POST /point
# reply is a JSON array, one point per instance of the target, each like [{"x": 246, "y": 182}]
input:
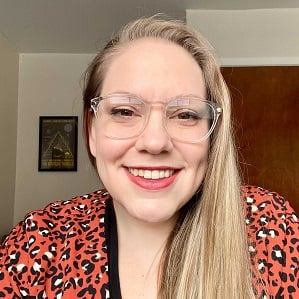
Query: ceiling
[{"x": 81, "y": 26}]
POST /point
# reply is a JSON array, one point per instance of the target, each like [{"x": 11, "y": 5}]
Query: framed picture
[{"x": 58, "y": 137}]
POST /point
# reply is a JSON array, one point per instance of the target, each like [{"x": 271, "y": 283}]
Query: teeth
[
  {"x": 147, "y": 174},
  {"x": 151, "y": 174},
  {"x": 155, "y": 174}
]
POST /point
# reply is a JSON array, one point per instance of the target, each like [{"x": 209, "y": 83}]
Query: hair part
[{"x": 207, "y": 253}]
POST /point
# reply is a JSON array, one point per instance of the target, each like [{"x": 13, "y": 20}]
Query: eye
[
  {"x": 122, "y": 112},
  {"x": 184, "y": 114},
  {"x": 187, "y": 115}
]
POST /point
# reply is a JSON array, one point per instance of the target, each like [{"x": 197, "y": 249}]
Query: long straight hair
[{"x": 206, "y": 255}]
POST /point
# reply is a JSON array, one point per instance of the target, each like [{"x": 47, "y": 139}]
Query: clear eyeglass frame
[{"x": 214, "y": 111}]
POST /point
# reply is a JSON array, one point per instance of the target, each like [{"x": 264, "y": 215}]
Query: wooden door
[{"x": 265, "y": 103}]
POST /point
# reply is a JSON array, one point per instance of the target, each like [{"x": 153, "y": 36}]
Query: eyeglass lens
[{"x": 186, "y": 119}]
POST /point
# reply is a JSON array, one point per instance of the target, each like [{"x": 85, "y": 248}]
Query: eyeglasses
[{"x": 186, "y": 119}]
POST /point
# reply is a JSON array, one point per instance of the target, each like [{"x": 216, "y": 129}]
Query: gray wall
[
  {"x": 9, "y": 64},
  {"x": 49, "y": 84},
  {"x": 250, "y": 37}
]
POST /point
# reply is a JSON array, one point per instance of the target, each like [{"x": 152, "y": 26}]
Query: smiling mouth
[{"x": 154, "y": 174}]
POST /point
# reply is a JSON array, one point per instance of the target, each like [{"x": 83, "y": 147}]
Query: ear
[{"x": 92, "y": 139}]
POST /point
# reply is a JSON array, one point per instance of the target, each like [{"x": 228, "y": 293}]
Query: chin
[{"x": 155, "y": 216}]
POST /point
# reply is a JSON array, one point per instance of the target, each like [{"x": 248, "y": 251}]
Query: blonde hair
[{"x": 207, "y": 253}]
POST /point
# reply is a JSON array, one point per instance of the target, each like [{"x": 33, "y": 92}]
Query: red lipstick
[{"x": 152, "y": 184}]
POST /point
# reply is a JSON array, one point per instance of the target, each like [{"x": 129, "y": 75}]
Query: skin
[{"x": 157, "y": 71}]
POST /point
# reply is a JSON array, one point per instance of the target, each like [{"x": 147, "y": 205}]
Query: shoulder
[
  {"x": 273, "y": 230},
  {"x": 64, "y": 239},
  {"x": 269, "y": 215},
  {"x": 260, "y": 199},
  {"x": 61, "y": 215},
  {"x": 264, "y": 207},
  {"x": 64, "y": 218},
  {"x": 79, "y": 206}
]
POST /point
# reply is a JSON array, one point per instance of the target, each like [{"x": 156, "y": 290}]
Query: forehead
[{"x": 153, "y": 67}]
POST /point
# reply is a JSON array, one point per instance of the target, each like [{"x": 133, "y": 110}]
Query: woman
[{"x": 171, "y": 220}]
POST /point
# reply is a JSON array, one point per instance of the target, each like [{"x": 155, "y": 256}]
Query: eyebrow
[{"x": 183, "y": 95}]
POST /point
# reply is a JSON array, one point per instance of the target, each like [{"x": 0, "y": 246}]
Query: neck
[
  {"x": 141, "y": 246},
  {"x": 139, "y": 234}
]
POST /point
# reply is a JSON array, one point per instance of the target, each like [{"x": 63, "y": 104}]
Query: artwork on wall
[{"x": 58, "y": 137}]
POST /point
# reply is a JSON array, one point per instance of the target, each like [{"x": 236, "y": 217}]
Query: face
[{"x": 156, "y": 71}]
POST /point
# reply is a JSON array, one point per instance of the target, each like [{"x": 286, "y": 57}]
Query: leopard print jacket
[{"x": 61, "y": 251}]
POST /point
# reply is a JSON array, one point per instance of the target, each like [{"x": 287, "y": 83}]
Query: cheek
[
  {"x": 106, "y": 150},
  {"x": 92, "y": 139},
  {"x": 199, "y": 163},
  {"x": 109, "y": 151},
  {"x": 197, "y": 155},
  {"x": 102, "y": 147},
  {"x": 109, "y": 159}
]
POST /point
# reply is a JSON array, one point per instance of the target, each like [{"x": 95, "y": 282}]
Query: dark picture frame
[{"x": 58, "y": 143}]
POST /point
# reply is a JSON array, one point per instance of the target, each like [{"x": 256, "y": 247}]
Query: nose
[{"x": 154, "y": 139}]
